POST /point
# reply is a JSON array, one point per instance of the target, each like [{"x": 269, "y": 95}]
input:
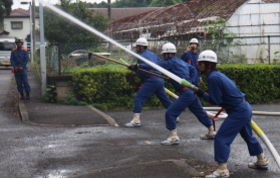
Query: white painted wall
[{"x": 19, "y": 32}]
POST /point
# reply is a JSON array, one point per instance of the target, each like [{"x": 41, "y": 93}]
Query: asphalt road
[{"x": 55, "y": 152}]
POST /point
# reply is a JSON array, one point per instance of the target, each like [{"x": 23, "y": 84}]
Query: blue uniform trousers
[
  {"x": 148, "y": 88},
  {"x": 22, "y": 81},
  {"x": 187, "y": 98},
  {"x": 238, "y": 121}
]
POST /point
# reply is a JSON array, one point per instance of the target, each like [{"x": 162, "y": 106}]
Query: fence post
[
  {"x": 269, "y": 49},
  {"x": 59, "y": 60}
]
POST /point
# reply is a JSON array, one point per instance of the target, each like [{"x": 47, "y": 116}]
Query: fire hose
[{"x": 255, "y": 127}]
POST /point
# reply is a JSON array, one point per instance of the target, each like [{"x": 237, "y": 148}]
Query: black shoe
[
  {"x": 27, "y": 96},
  {"x": 21, "y": 96}
]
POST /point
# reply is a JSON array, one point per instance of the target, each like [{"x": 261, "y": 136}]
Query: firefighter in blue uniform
[
  {"x": 187, "y": 97},
  {"x": 152, "y": 84},
  {"x": 19, "y": 59},
  {"x": 190, "y": 56},
  {"x": 223, "y": 92}
]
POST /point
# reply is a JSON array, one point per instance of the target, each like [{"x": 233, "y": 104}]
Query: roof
[
  {"x": 19, "y": 12},
  {"x": 176, "y": 19},
  {"x": 271, "y": 1},
  {"x": 4, "y": 32},
  {"x": 117, "y": 13}
]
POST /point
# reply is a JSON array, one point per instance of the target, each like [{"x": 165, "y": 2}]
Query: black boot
[
  {"x": 27, "y": 96},
  {"x": 21, "y": 96}
]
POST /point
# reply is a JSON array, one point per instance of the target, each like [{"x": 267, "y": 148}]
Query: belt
[{"x": 180, "y": 91}]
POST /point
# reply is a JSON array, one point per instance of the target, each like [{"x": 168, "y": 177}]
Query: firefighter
[
  {"x": 223, "y": 92},
  {"x": 152, "y": 84},
  {"x": 187, "y": 97},
  {"x": 190, "y": 56},
  {"x": 19, "y": 59}
]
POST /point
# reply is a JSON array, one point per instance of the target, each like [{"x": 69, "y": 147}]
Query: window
[
  {"x": 16, "y": 25},
  {"x": 7, "y": 46}
]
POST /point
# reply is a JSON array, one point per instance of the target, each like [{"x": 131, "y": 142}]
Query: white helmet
[
  {"x": 18, "y": 40},
  {"x": 194, "y": 40},
  {"x": 169, "y": 48},
  {"x": 141, "y": 42},
  {"x": 208, "y": 55}
]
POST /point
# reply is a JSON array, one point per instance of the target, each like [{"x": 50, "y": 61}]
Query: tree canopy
[
  {"x": 135, "y": 3},
  {"x": 5, "y": 7},
  {"x": 164, "y": 3},
  {"x": 59, "y": 29}
]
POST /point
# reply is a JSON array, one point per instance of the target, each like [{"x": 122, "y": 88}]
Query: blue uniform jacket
[
  {"x": 179, "y": 68},
  {"x": 191, "y": 58},
  {"x": 151, "y": 57},
  {"x": 19, "y": 58},
  {"x": 222, "y": 91}
]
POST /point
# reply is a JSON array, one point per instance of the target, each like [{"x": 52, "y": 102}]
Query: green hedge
[
  {"x": 112, "y": 86},
  {"x": 260, "y": 82}
]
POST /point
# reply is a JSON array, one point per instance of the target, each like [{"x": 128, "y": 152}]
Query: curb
[
  {"x": 109, "y": 119},
  {"x": 25, "y": 118}
]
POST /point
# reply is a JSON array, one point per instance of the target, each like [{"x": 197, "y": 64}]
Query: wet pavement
[{"x": 29, "y": 151}]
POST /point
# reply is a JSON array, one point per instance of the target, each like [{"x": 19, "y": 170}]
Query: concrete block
[{"x": 62, "y": 92}]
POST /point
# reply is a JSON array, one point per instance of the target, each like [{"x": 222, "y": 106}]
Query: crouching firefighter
[
  {"x": 186, "y": 99},
  {"x": 223, "y": 92},
  {"x": 152, "y": 84},
  {"x": 19, "y": 59}
]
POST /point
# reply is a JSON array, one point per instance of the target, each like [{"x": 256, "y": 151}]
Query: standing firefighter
[
  {"x": 223, "y": 92},
  {"x": 190, "y": 56},
  {"x": 152, "y": 84},
  {"x": 19, "y": 59},
  {"x": 187, "y": 97}
]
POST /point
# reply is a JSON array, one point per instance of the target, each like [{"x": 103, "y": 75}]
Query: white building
[{"x": 17, "y": 24}]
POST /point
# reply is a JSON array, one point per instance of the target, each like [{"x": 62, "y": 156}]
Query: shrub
[{"x": 110, "y": 87}]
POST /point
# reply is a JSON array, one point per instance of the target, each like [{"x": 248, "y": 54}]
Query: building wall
[{"x": 18, "y": 32}]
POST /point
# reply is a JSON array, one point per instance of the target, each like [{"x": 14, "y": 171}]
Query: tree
[
  {"x": 5, "y": 7},
  {"x": 58, "y": 29},
  {"x": 102, "y": 4},
  {"x": 131, "y": 3},
  {"x": 164, "y": 3}
]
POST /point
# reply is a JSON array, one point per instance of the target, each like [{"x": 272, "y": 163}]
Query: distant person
[
  {"x": 190, "y": 55},
  {"x": 19, "y": 59},
  {"x": 152, "y": 84},
  {"x": 224, "y": 92}
]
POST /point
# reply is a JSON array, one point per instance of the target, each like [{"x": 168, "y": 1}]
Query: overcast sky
[{"x": 18, "y": 5}]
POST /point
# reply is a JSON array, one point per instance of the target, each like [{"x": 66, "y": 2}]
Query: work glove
[
  {"x": 133, "y": 67},
  {"x": 199, "y": 92}
]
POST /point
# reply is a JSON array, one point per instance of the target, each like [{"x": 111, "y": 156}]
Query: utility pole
[
  {"x": 42, "y": 52},
  {"x": 31, "y": 33},
  {"x": 33, "y": 40},
  {"x": 110, "y": 28}
]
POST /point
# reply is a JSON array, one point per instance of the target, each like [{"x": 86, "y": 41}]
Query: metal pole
[
  {"x": 31, "y": 35},
  {"x": 33, "y": 26},
  {"x": 42, "y": 52},
  {"x": 110, "y": 28},
  {"x": 269, "y": 49}
]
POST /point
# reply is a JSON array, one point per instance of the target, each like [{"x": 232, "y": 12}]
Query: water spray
[{"x": 96, "y": 32}]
